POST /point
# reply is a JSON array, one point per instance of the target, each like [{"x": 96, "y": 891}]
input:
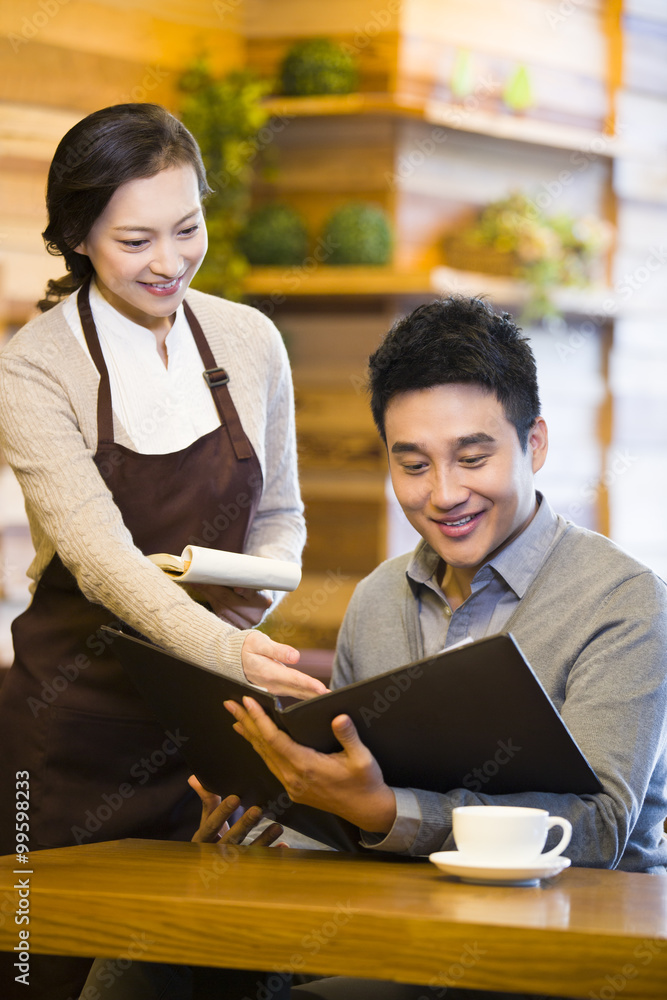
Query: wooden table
[{"x": 587, "y": 933}]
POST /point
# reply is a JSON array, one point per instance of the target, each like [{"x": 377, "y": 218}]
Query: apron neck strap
[
  {"x": 104, "y": 410},
  {"x": 217, "y": 380}
]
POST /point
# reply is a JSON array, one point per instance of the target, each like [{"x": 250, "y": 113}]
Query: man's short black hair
[{"x": 457, "y": 339}]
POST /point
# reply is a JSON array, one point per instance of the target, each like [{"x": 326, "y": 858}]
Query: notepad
[{"x": 198, "y": 564}]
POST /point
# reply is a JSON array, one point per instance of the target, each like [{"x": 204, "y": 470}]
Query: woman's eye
[
  {"x": 190, "y": 231},
  {"x": 134, "y": 244}
]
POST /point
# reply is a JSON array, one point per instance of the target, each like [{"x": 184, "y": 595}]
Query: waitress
[{"x": 122, "y": 449}]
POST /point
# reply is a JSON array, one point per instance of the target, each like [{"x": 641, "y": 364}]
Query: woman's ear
[{"x": 538, "y": 443}]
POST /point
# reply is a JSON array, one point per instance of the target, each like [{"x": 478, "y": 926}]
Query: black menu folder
[{"x": 475, "y": 717}]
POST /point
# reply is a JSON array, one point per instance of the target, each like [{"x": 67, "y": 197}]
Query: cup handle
[{"x": 564, "y": 840}]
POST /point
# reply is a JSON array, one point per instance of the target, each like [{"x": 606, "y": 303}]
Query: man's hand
[
  {"x": 348, "y": 783},
  {"x": 239, "y": 606},
  {"x": 214, "y": 828},
  {"x": 264, "y": 664}
]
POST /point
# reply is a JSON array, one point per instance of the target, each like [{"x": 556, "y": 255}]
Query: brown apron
[{"x": 100, "y": 766}]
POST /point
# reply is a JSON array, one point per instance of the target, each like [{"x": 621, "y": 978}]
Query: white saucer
[{"x": 487, "y": 873}]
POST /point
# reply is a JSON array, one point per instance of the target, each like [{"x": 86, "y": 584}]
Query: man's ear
[{"x": 538, "y": 443}]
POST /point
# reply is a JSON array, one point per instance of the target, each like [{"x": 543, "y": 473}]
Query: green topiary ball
[
  {"x": 358, "y": 233},
  {"x": 318, "y": 66},
  {"x": 274, "y": 234}
]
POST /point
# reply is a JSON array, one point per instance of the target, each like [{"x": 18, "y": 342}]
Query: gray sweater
[
  {"x": 48, "y": 433},
  {"x": 593, "y": 625}
]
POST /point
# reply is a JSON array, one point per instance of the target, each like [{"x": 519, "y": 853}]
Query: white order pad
[{"x": 230, "y": 569}]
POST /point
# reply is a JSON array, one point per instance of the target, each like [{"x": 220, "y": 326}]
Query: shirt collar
[
  {"x": 518, "y": 563},
  {"x": 119, "y": 326}
]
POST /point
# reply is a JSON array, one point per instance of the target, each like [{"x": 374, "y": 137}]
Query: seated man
[{"x": 455, "y": 398}]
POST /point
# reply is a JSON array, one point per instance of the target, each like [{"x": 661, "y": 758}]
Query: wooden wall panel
[
  {"x": 61, "y": 61},
  {"x": 48, "y": 75},
  {"x": 343, "y": 534},
  {"x": 147, "y": 33},
  {"x": 364, "y": 18}
]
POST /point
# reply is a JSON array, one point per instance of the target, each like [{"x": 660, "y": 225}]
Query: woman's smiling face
[{"x": 148, "y": 244}]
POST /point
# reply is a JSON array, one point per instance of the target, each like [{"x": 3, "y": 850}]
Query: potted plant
[
  {"x": 513, "y": 236},
  {"x": 275, "y": 234},
  {"x": 318, "y": 66},
  {"x": 225, "y": 116},
  {"x": 358, "y": 233}
]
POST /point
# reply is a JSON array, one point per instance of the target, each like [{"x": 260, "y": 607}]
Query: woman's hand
[
  {"x": 265, "y": 663},
  {"x": 238, "y": 606},
  {"x": 214, "y": 828}
]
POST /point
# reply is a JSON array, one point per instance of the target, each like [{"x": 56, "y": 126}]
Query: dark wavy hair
[
  {"x": 101, "y": 152},
  {"x": 457, "y": 339}
]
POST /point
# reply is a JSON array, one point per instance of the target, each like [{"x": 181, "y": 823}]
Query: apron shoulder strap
[
  {"x": 104, "y": 410},
  {"x": 217, "y": 380}
]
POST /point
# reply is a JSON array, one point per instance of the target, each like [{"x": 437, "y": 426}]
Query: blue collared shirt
[{"x": 496, "y": 588}]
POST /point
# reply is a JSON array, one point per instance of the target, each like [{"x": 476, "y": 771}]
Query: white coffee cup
[{"x": 510, "y": 835}]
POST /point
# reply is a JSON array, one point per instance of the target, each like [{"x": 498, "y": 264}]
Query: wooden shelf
[
  {"x": 359, "y": 281},
  {"x": 513, "y": 127},
  {"x": 323, "y": 280}
]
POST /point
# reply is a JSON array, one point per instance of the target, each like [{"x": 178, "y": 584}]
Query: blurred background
[{"x": 366, "y": 156}]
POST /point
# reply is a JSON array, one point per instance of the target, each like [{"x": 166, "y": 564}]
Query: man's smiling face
[{"x": 459, "y": 472}]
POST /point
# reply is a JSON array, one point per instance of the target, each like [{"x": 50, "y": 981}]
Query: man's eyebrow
[
  {"x": 400, "y": 447},
  {"x": 147, "y": 229},
  {"x": 480, "y": 438}
]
